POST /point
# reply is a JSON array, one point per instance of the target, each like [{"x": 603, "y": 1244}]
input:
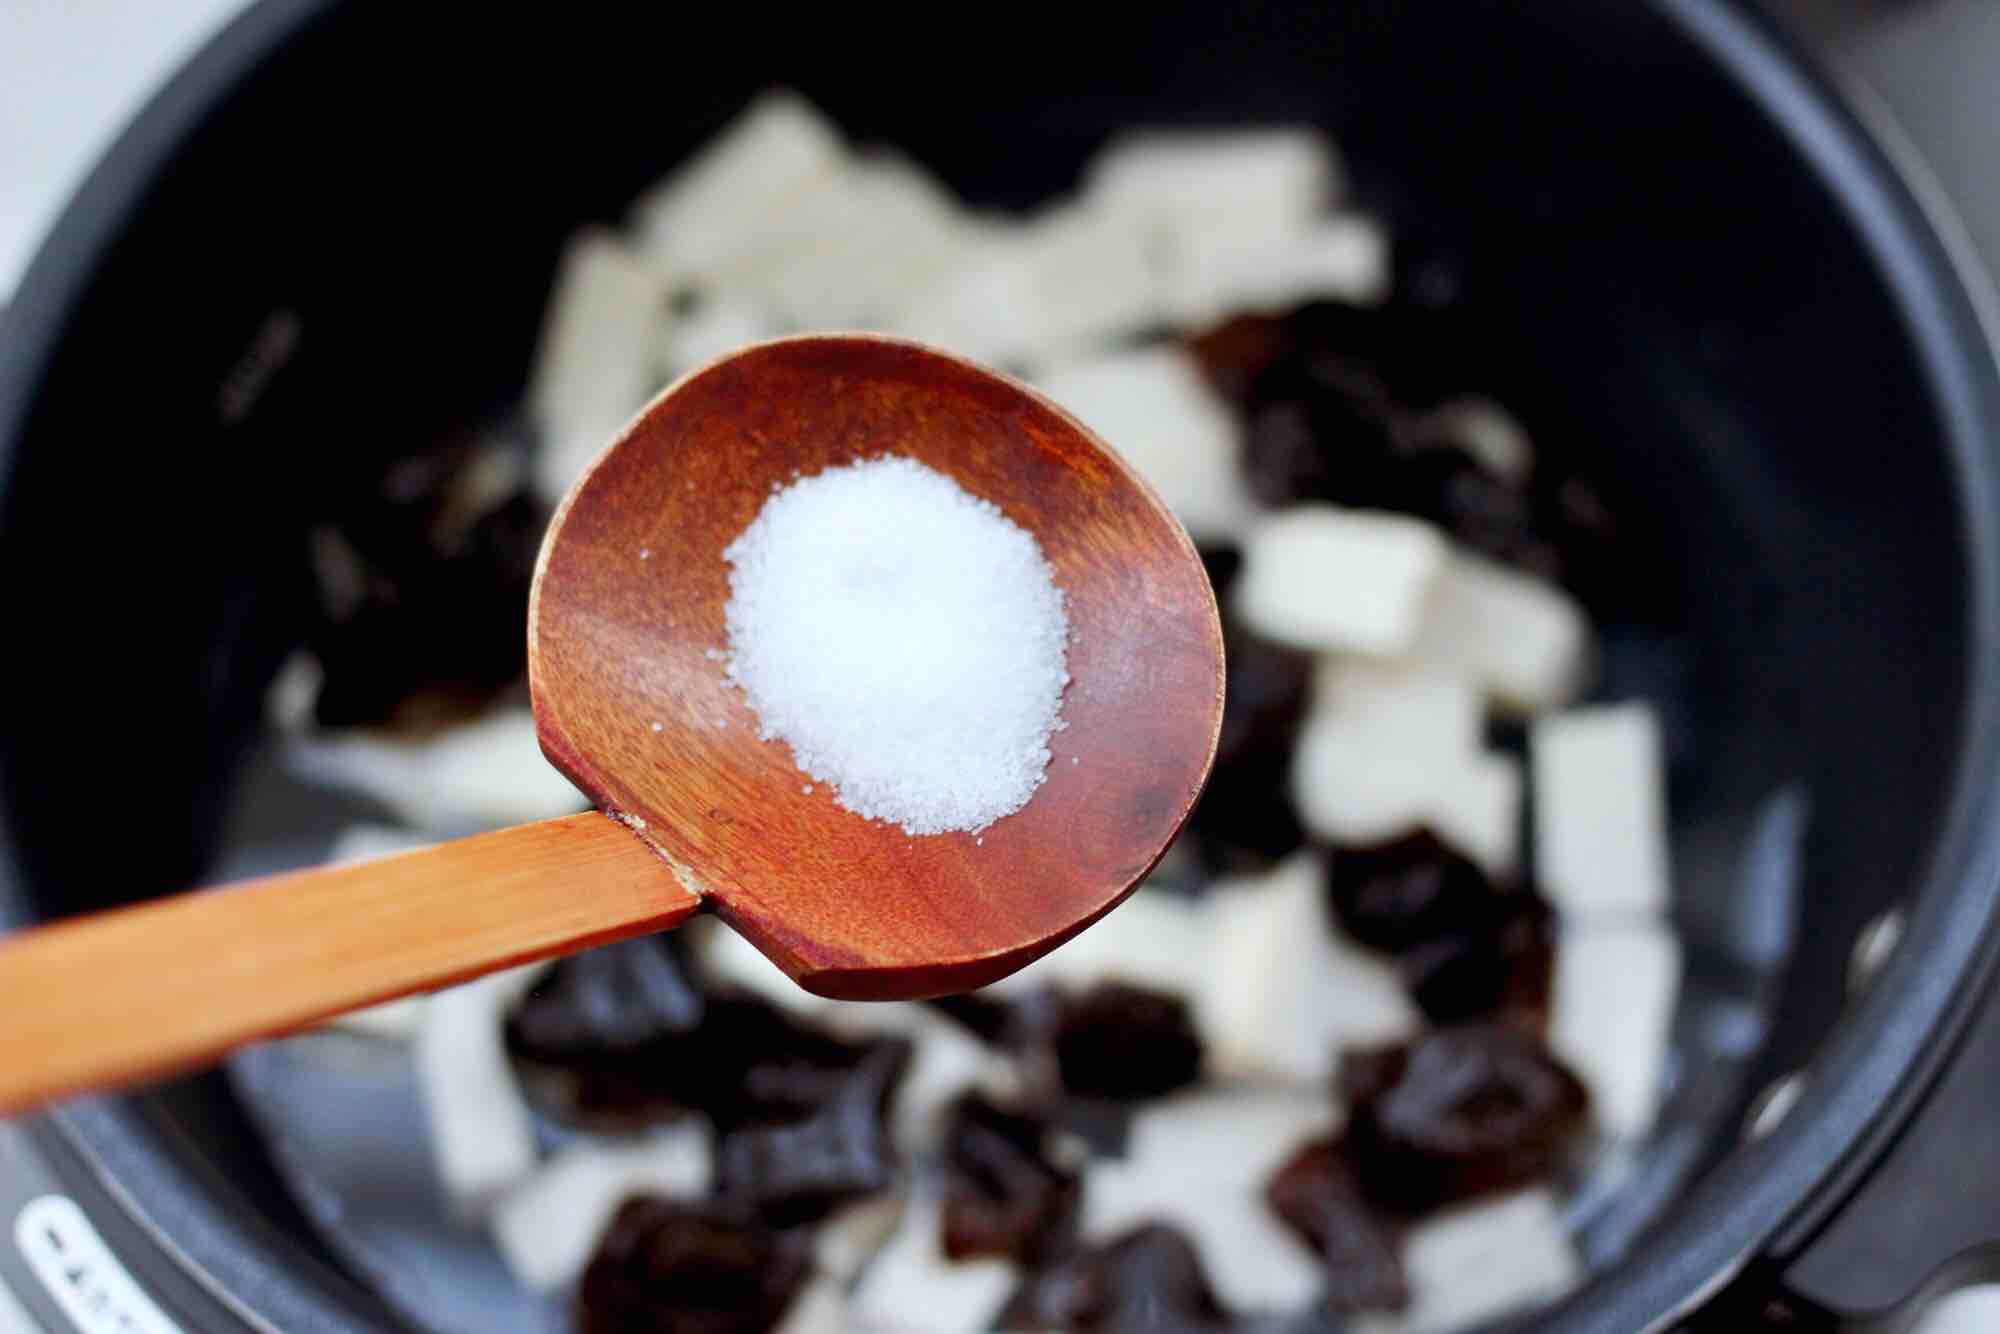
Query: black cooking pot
[{"x": 330, "y": 239}]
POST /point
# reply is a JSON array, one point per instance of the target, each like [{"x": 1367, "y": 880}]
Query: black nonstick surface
[{"x": 330, "y": 241}]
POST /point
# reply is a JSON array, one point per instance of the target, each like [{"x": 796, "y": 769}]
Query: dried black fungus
[
  {"x": 1124, "y": 1042},
  {"x": 1399, "y": 894},
  {"x": 422, "y": 591},
  {"x": 1244, "y": 816},
  {"x": 605, "y": 1002},
  {"x": 1318, "y": 1195},
  {"x": 1003, "y": 1196},
  {"x": 1148, "y": 1279},
  {"x": 795, "y": 1171},
  {"x": 668, "y": 1268},
  {"x": 1458, "y": 1113},
  {"x": 1498, "y": 963}
]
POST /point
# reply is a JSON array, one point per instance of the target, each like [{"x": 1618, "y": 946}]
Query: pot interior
[{"x": 349, "y": 259}]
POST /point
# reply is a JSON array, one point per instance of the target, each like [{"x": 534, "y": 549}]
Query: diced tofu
[
  {"x": 1478, "y": 1263},
  {"x": 848, "y": 1238},
  {"x": 1388, "y": 749},
  {"x": 820, "y": 1308},
  {"x": 1156, "y": 410},
  {"x": 715, "y": 327},
  {"x": 1432, "y": 714},
  {"x": 911, "y": 1286},
  {"x": 593, "y": 370},
  {"x": 1200, "y": 1163},
  {"x": 547, "y": 1227},
  {"x": 859, "y": 247},
  {"x": 1040, "y": 292},
  {"x": 482, "y": 1140},
  {"x": 1601, "y": 812},
  {"x": 479, "y": 775},
  {"x": 1154, "y": 939},
  {"x": 1320, "y": 577},
  {"x": 1478, "y": 812},
  {"x": 1334, "y": 259},
  {"x": 1257, "y": 185},
  {"x": 1611, "y": 1014},
  {"x": 720, "y": 203},
  {"x": 1282, "y": 991},
  {"x": 1525, "y": 641}
]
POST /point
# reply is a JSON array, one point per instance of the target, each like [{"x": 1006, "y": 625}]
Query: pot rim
[{"x": 1877, "y": 1060}]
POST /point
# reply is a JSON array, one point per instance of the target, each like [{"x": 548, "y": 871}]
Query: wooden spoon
[{"x": 625, "y": 624}]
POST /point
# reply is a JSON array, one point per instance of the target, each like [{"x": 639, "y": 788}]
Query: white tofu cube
[
  {"x": 820, "y": 1308},
  {"x": 1432, "y": 714},
  {"x": 478, "y": 775},
  {"x": 547, "y": 1227},
  {"x": 1340, "y": 258},
  {"x": 482, "y": 1140},
  {"x": 715, "y": 327},
  {"x": 594, "y": 368},
  {"x": 859, "y": 248},
  {"x": 911, "y": 1286},
  {"x": 1154, "y": 407},
  {"x": 1283, "y": 991},
  {"x": 1387, "y": 749},
  {"x": 1478, "y": 812},
  {"x": 1200, "y": 1162},
  {"x": 1320, "y": 577},
  {"x": 1601, "y": 812},
  {"x": 1038, "y": 293},
  {"x": 1525, "y": 641},
  {"x": 1611, "y": 1014},
  {"x": 1480, "y": 1262},
  {"x": 720, "y": 203},
  {"x": 848, "y": 1238},
  {"x": 1263, "y": 184}
]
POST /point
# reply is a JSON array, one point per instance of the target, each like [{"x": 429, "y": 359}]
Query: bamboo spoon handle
[{"x": 136, "y": 993}]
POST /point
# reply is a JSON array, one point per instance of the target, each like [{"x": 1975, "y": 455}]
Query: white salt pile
[{"x": 905, "y": 638}]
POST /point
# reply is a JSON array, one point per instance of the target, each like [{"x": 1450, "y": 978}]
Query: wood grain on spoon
[
  {"x": 625, "y": 630},
  {"x": 126, "y": 995}
]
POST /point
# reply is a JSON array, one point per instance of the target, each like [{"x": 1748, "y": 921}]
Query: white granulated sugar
[{"x": 905, "y": 638}]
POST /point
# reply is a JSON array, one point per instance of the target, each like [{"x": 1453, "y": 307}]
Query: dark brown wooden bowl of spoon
[{"x": 706, "y": 816}]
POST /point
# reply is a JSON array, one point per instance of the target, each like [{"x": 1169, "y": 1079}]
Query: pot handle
[{"x": 1923, "y": 1220}]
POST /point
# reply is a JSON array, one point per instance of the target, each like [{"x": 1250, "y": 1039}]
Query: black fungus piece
[
  {"x": 1400, "y": 893},
  {"x": 1244, "y": 817},
  {"x": 1498, "y": 964},
  {"x": 795, "y": 1171},
  {"x": 604, "y": 1003},
  {"x": 1317, "y": 1194},
  {"x": 982, "y": 1016},
  {"x": 668, "y": 1268},
  {"x": 1147, "y": 1279},
  {"x": 1003, "y": 1196},
  {"x": 1126, "y": 1043},
  {"x": 422, "y": 588},
  {"x": 1460, "y": 1112}
]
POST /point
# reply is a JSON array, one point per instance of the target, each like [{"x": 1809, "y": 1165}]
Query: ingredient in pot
[
  {"x": 1356, "y": 1049},
  {"x": 905, "y": 638}
]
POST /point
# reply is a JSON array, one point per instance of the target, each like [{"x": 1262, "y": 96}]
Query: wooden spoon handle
[{"x": 140, "y": 992}]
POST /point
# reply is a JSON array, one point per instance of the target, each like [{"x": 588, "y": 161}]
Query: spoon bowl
[{"x": 626, "y": 629}]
